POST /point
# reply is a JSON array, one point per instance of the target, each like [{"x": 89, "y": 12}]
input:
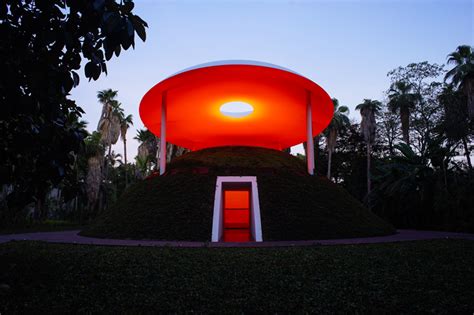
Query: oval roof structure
[{"x": 195, "y": 95}]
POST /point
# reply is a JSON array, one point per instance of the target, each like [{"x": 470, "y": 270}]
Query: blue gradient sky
[{"x": 347, "y": 47}]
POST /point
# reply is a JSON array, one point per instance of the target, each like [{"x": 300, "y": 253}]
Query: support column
[
  {"x": 309, "y": 135},
  {"x": 163, "y": 135}
]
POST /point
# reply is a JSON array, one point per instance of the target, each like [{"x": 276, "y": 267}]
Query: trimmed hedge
[
  {"x": 422, "y": 277},
  {"x": 294, "y": 206}
]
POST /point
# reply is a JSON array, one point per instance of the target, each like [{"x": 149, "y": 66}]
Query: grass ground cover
[
  {"x": 409, "y": 277},
  {"x": 294, "y": 205}
]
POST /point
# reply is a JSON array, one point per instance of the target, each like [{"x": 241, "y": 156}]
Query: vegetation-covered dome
[{"x": 293, "y": 205}]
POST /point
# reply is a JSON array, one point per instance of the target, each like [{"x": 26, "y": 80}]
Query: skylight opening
[{"x": 236, "y": 109}]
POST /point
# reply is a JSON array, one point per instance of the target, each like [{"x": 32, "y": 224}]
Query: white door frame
[{"x": 217, "y": 221}]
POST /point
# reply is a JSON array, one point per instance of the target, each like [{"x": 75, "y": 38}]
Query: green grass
[
  {"x": 45, "y": 226},
  {"x": 410, "y": 277},
  {"x": 177, "y": 207},
  {"x": 294, "y": 206}
]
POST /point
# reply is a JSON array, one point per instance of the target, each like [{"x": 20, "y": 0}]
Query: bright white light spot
[{"x": 236, "y": 109}]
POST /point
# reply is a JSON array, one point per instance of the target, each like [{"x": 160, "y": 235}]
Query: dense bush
[{"x": 392, "y": 278}]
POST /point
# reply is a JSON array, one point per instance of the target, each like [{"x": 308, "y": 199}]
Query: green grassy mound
[
  {"x": 237, "y": 160},
  {"x": 294, "y": 206}
]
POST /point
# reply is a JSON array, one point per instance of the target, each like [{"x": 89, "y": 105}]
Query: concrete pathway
[{"x": 72, "y": 237}]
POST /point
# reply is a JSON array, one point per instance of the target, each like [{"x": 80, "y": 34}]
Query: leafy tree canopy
[{"x": 43, "y": 45}]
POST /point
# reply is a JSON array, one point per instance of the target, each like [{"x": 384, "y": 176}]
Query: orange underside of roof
[{"x": 194, "y": 98}]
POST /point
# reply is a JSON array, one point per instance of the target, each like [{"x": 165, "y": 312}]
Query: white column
[
  {"x": 163, "y": 135},
  {"x": 309, "y": 135}
]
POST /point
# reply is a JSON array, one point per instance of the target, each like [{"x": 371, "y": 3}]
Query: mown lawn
[{"x": 410, "y": 277}]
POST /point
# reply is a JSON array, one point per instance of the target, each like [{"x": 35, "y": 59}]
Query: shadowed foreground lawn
[{"x": 411, "y": 277}]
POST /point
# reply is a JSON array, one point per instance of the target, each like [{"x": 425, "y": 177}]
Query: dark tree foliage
[
  {"x": 414, "y": 191},
  {"x": 427, "y": 185},
  {"x": 456, "y": 123},
  {"x": 43, "y": 44},
  {"x": 424, "y": 185},
  {"x": 349, "y": 161}
]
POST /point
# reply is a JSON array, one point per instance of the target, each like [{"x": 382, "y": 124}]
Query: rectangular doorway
[{"x": 237, "y": 215}]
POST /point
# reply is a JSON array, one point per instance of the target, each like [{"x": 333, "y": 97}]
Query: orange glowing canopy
[{"x": 194, "y": 98}]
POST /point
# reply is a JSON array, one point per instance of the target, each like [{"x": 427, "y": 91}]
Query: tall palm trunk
[
  {"x": 369, "y": 150},
  {"x": 93, "y": 183},
  {"x": 467, "y": 153},
  {"x": 405, "y": 119},
  {"x": 125, "y": 157},
  {"x": 331, "y": 143},
  {"x": 316, "y": 146},
  {"x": 445, "y": 175},
  {"x": 469, "y": 91},
  {"x": 106, "y": 162},
  {"x": 105, "y": 175},
  {"x": 329, "y": 164},
  {"x": 125, "y": 150}
]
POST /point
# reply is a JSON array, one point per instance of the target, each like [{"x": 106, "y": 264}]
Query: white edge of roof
[{"x": 234, "y": 62}]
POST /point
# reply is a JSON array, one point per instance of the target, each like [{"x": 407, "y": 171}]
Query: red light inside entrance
[{"x": 237, "y": 215}]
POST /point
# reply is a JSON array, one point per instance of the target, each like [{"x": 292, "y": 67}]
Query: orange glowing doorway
[{"x": 237, "y": 215}]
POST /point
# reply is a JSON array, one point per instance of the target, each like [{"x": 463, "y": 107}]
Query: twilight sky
[{"x": 347, "y": 47}]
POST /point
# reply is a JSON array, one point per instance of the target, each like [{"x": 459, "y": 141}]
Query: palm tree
[
  {"x": 462, "y": 75},
  {"x": 148, "y": 145},
  {"x": 402, "y": 100},
  {"x": 125, "y": 123},
  {"x": 94, "y": 152},
  {"x": 142, "y": 166},
  {"x": 106, "y": 97},
  {"x": 338, "y": 122},
  {"x": 115, "y": 159},
  {"x": 109, "y": 122},
  {"x": 456, "y": 122},
  {"x": 109, "y": 129},
  {"x": 368, "y": 109},
  {"x": 143, "y": 135}
]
